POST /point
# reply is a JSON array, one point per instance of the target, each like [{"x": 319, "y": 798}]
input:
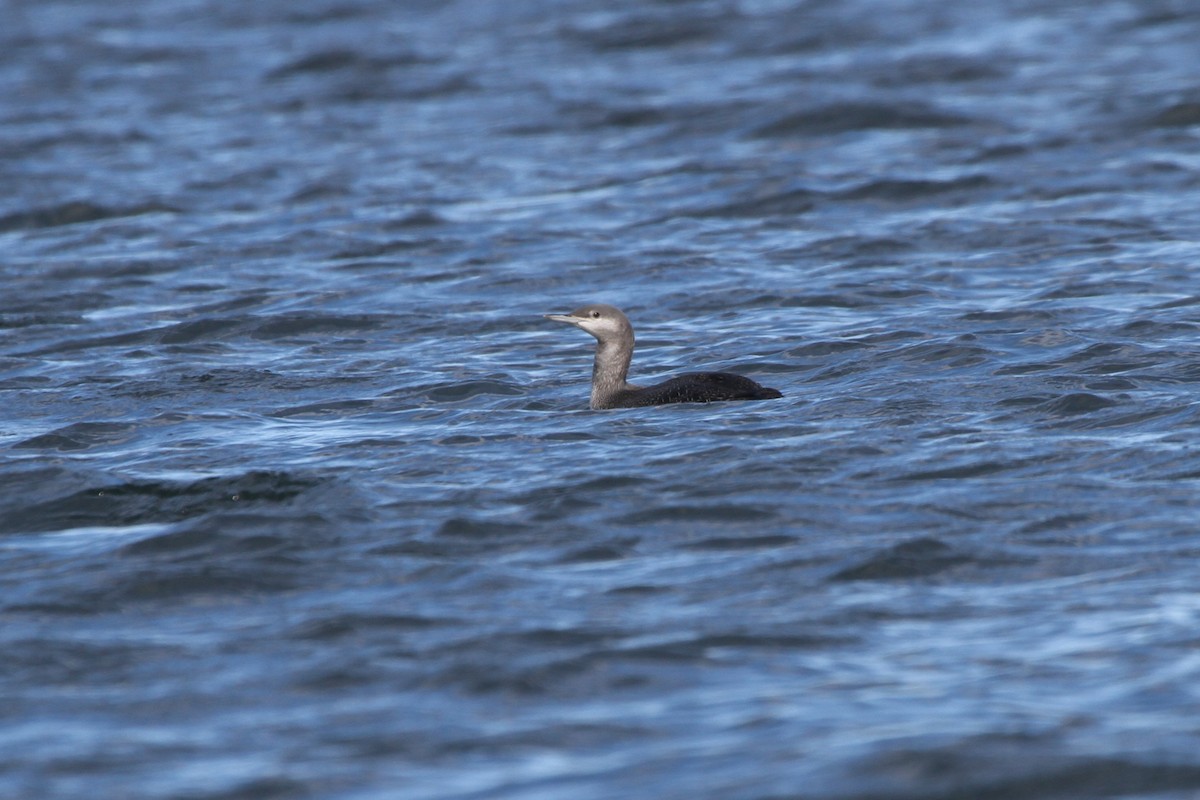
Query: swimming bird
[{"x": 614, "y": 351}]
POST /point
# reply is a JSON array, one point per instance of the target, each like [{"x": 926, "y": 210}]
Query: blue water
[{"x": 300, "y": 496}]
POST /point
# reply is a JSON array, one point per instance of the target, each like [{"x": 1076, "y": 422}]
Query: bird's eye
[{"x": 595, "y": 315}]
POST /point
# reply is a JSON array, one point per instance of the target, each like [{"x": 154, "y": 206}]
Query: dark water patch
[
  {"x": 734, "y": 543},
  {"x": 599, "y": 553},
  {"x": 603, "y": 481},
  {"x": 1095, "y": 359},
  {"x": 638, "y": 590},
  {"x": 331, "y": 408},
  {"x": 831, "y": 300},
  {"x": 240, "y": 301},
  {"x": 583, "y": 637},
  {"x": 1077, "y": 403},
  {"x": 889, "y": 336},
  {"x": 186, "y": 582},
  {"x": 411, "y": 88},
  {"x": 216, "y": 560},
  {"x": 912, "y": 559},
  {"x": 1110, "y": 385},
  {"x": 788, "y": 203},
  {"x": 1026, "y": 369},
  {"x": 209, "y": 330},
  {"x": 999, "y": 152},
  {"x": 334, "y": 12},
  {"x": 377, "y": 250},
  {"x": 1101, "y": 350},
  {"x": 1055, "y": 523},
  {"x": 74, "y": 213},
  {"x": 988, "y": 774},
  {"x": 348, "y": 88},
  {"x": 471, "y": 440},
  {"x": 527, "y": 682},
  {"x": 417, "y": 218},
  {"x": 577, "y": 496},
  {"x": 1186, "y": 372},
  {"x": 1146, "y": 329},
  {"x": 1179, "y": 115},
  {"x": 1150, "y": 417},
  {"x": 763, "y": 641},
  {"x": 946, "y": 354},
  {"x": 331, "y": 61},
  {"x": 129, "y": 339},
  {"x": 950, "y": 433},
  {"x": 722, "y": 513},
  {"x": 355, "y": 625},
  {"x": 436, "y": 551},
  {"x": 32, "y": 482},
  {"x": 144, "y": 502},
  {"x": 897, "y": 292},
  {"x": 222, "y": 380},
  {"x": 858, "y": 250},
  {"x": 845, "y": 117},
  {"x": 21, "y": 382},
  {"x": 552, "y": 662},
  {"x": 1187, "y": 475},
  {"x": 254, "y": 178},
  {"x": 939, "y": 68},
  {"x": 1182, "y": 302},
  {"x": 65, "y": 139},
  {"x": 677, "y": 119},
  {"x": 254, "y": 535},
  {"x": 321, "y": 191},
  {"x": 81, "y": 436},
  {"x": 699, "y": 648},
  {"x": 645, "y": 30},
  {"x": 824, "y": 348},
  {"x": 278, "y": 787},
  {"x": 1097, "y": 288},
  {"x": 466, "y": 390},
  {"x": 895, "y": 190},
  {"x": 970, "y": 469},
  {"x": 223, "y": 556},
  {"x": 182, "y": 541},
  {"x": 460, "y": 440},
  {"x": 52, "y": 303},
  {"x": 204, "y": 330},
  {"x": 1096, "y": 777},
  {"x": 1024, "y": 401},
  {"x": 480, "y": 529},
  {"x": 635, "y": 117},
  {"x": 341, "y": 675},
  {"x": 842, "y": 370},
  {"x": 585, "y": 735},
  {"x": 1156, "y": 15},
  {"x": 1114, "y": 367},
  {"x": 16, "y": 321},
  {"x": 308, "y": 324},
  {"x": 59, "y": 661},
  {"x": 1022, "y": 316}
]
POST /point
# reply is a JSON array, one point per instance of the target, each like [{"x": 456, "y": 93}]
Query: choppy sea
[{"x": 300, "y": 496}]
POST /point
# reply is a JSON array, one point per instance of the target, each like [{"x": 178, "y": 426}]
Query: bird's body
[{"x": 614, "y": 352}]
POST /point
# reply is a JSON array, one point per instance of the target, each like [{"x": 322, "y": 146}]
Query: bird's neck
[{"x": 610, "y": 369}]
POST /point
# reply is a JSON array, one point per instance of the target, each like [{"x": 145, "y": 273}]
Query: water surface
[{"x": 301, "y": 496}]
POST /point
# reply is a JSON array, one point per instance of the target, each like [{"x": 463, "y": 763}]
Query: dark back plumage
[{"x": 696, "y": 387}]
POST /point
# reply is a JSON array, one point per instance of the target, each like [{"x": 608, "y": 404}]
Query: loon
[{"x": 614, "y": 351}]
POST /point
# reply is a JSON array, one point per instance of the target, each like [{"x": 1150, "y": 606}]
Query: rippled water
[{"x": 302, "y": 497}]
